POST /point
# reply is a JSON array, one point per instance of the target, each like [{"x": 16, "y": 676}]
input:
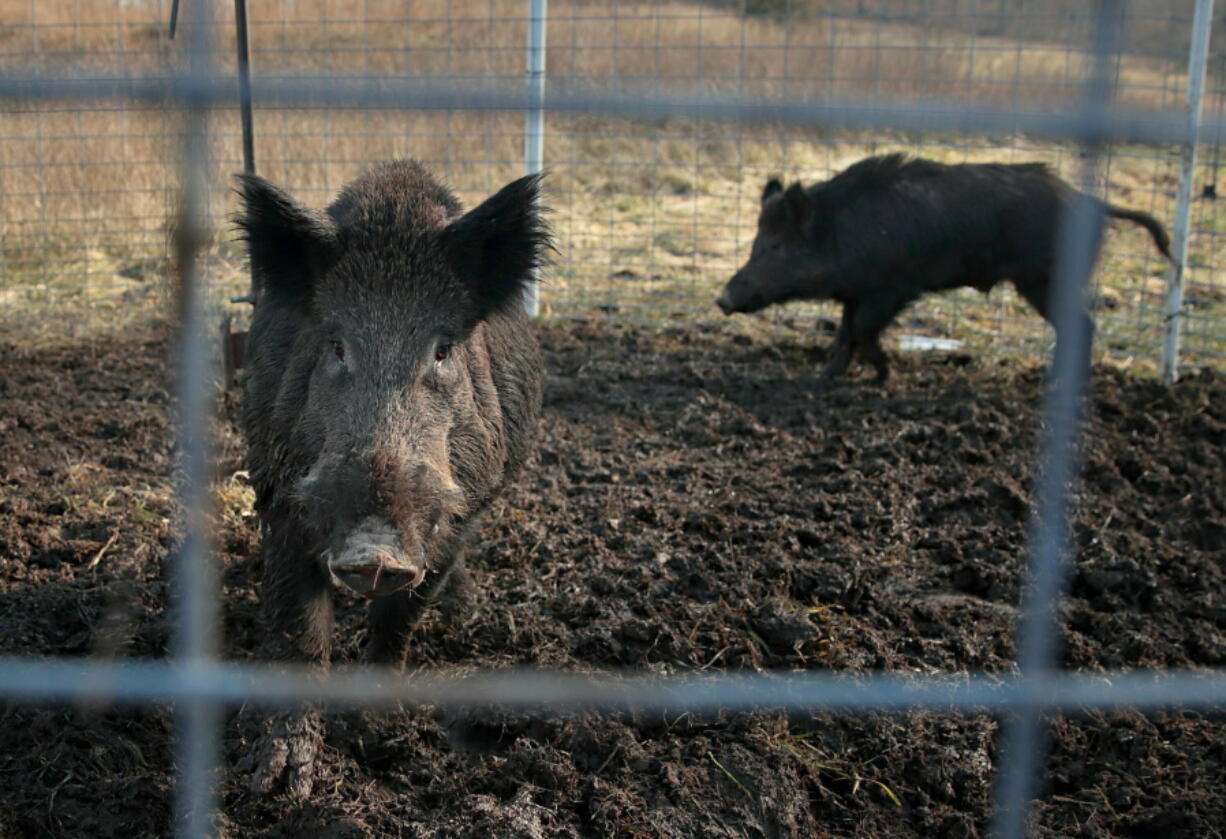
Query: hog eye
[
  {"x": 338, "y": 350},
  {"x": 442, "y": 351}
]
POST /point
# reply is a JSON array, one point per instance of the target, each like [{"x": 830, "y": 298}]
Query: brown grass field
[{"x": 651, "y": 217}]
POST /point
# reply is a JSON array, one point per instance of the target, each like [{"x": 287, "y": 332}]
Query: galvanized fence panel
[
  {"x": 654, "y": 209},
  {"x": 656, "y": 144}
]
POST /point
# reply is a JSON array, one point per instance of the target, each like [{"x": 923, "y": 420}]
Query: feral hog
[
  {"x": 392, "y": 391},
  {"x": 889, "y": 229}
]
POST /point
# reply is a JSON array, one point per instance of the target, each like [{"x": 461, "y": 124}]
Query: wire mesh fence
[
  {"x": 653, "y": 214},
  {"x": 663, "y": 120}
]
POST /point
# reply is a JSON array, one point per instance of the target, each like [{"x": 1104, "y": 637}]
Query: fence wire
[
  {"x": 656, "y": 204},
  {"x": 665, "y": 118}
]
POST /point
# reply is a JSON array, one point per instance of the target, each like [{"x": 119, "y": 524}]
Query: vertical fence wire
[
  {"x": 195, "y": 641},
  {"x": 1080, "y": 231}
]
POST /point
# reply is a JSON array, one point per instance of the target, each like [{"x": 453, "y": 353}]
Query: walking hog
[
  {"x": 889, "y": 229},
  {"x": 393, "y": 388}
]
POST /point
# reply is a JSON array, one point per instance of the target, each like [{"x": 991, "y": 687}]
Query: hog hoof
[
  {"x": 286, "y": 752},
  {"x": 836, "y": 366},
  {"x": 832, "y": 374}
]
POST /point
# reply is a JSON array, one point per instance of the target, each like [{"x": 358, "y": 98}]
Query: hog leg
[
  {"x": 297, "y": 612},
  {"x": 873, "y": 316},
  {"x": 459, "y": 598},
  {"x": 840, "y": 350},
  {"x": 1035, "y": 292},
  {"x": 296, "y": 601}
]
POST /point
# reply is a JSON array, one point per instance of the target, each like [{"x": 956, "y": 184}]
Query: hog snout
[
  {"x": 739, "y": 296},
  {"x": 376, "y": 580},
  {"x": 373, "y": 562},
  {"x": 730, "y": 300}
]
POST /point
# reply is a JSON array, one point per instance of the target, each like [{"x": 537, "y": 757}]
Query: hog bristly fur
[
  {"x": 392, "y": 390},
  {"x": 889, "y": 229}
]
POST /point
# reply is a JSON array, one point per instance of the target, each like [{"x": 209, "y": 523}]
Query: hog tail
[{"x": 1155, "y": 228}]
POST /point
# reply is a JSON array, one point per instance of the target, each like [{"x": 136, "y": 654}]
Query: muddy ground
[{"x": 700, "y": 500}]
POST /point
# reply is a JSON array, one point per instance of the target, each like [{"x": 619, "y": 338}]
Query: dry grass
[{"x": 651, "y": 217}]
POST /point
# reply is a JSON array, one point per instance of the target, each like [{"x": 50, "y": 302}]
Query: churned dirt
[{"x": 700, "y": 501}]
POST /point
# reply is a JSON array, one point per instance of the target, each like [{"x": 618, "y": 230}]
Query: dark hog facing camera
[{"x": 393, "y": 389}]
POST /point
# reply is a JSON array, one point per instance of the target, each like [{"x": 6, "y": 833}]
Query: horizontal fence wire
[
  {"x": 551, "y": 691},
  {"x": 449, "y": 93}
]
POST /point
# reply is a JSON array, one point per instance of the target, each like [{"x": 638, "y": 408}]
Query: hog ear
[
  {"x": 290, "y": 244},
  {"x": 798, "y": 205},
  {"x": 495, "y": 248},
  {"x": 773, "y": 187}
]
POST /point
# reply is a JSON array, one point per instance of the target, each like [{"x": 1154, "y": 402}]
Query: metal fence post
[
  {"x": 243, "y": 46},
  {"x": 534, "y": 119},
  {"x": 1198, "y": 52}
]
